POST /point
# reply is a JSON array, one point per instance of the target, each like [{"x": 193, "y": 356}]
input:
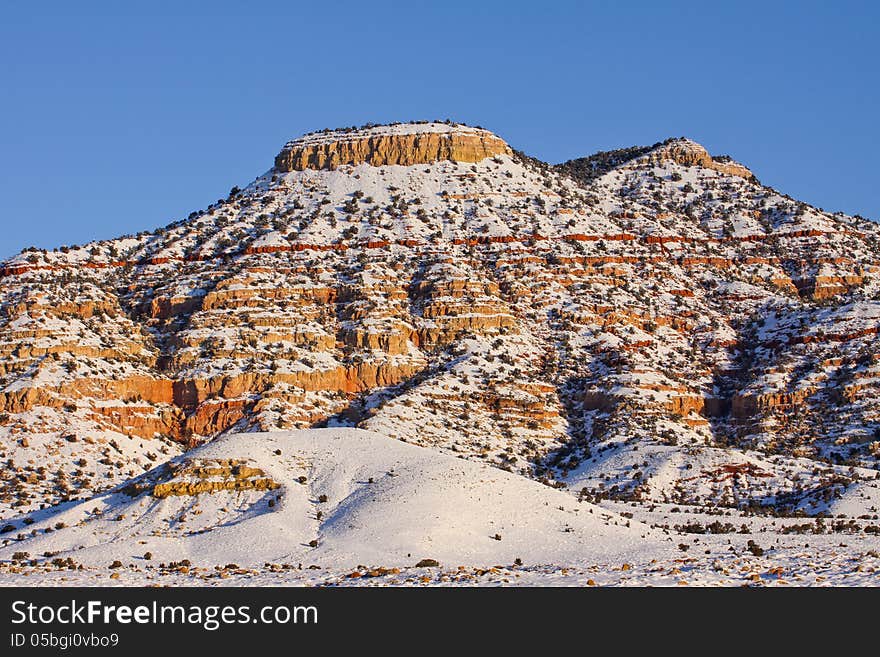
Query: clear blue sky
[{"x": 123, "y": 116}]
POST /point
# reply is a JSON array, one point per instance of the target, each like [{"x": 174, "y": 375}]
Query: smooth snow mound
[{"x": 387, "y": 503}]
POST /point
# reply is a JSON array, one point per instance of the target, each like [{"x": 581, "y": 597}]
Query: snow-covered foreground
[
  {"x": 819, "y": 565},
  {"x": 334, "y": 497},
  {"x": 346, "y": 506}
]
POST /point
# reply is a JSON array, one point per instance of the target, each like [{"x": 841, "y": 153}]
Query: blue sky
[{"x": 121, "y": 117}]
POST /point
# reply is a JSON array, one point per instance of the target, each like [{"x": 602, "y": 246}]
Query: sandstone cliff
[
  {"x": 458, "y": 144},
  {"x": 689, "y": 153}
]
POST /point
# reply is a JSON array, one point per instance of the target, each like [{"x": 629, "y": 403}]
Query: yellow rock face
[
  {"x": 192, "y": 488},
  {"x": 387, "y": 149},
  {"x": 195, "y": 477},
  {"x": 689, "y": 153}
]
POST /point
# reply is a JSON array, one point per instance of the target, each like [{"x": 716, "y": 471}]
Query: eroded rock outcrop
[
  {"x": 191, "y": 477},
  {"x": 387, "y": 146},
  {"x": 689, "y": 153}
]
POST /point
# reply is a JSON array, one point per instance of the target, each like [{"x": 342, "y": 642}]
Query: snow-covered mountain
[{"x": 646, "y": 326}]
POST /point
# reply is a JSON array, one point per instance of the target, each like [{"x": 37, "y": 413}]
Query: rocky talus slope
[{"x": 650, "y": 324}]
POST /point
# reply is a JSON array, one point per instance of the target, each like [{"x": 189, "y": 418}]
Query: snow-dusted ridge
[{"x": 410, "y": 128}]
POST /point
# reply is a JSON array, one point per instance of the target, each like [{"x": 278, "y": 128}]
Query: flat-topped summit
[{"x": 401, "y": 143}]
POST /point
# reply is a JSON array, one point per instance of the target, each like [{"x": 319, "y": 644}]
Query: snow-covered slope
[{"x": 335, "y": 497}]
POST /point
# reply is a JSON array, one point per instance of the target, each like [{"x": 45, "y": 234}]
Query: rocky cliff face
[
  {"x": 432, "y": 142},
  {"x": 690, "y": 154},
  {"x": 422, "y": 281}
]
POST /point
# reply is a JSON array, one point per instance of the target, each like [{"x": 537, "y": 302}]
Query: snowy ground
[
  {"x": 824, "y": 563},
  {"x": 351, "y": 507}
]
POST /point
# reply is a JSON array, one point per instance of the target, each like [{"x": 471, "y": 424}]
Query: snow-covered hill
[
  {"x": 335, "y": 497},
  {"x": 342, "y": 506}
]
